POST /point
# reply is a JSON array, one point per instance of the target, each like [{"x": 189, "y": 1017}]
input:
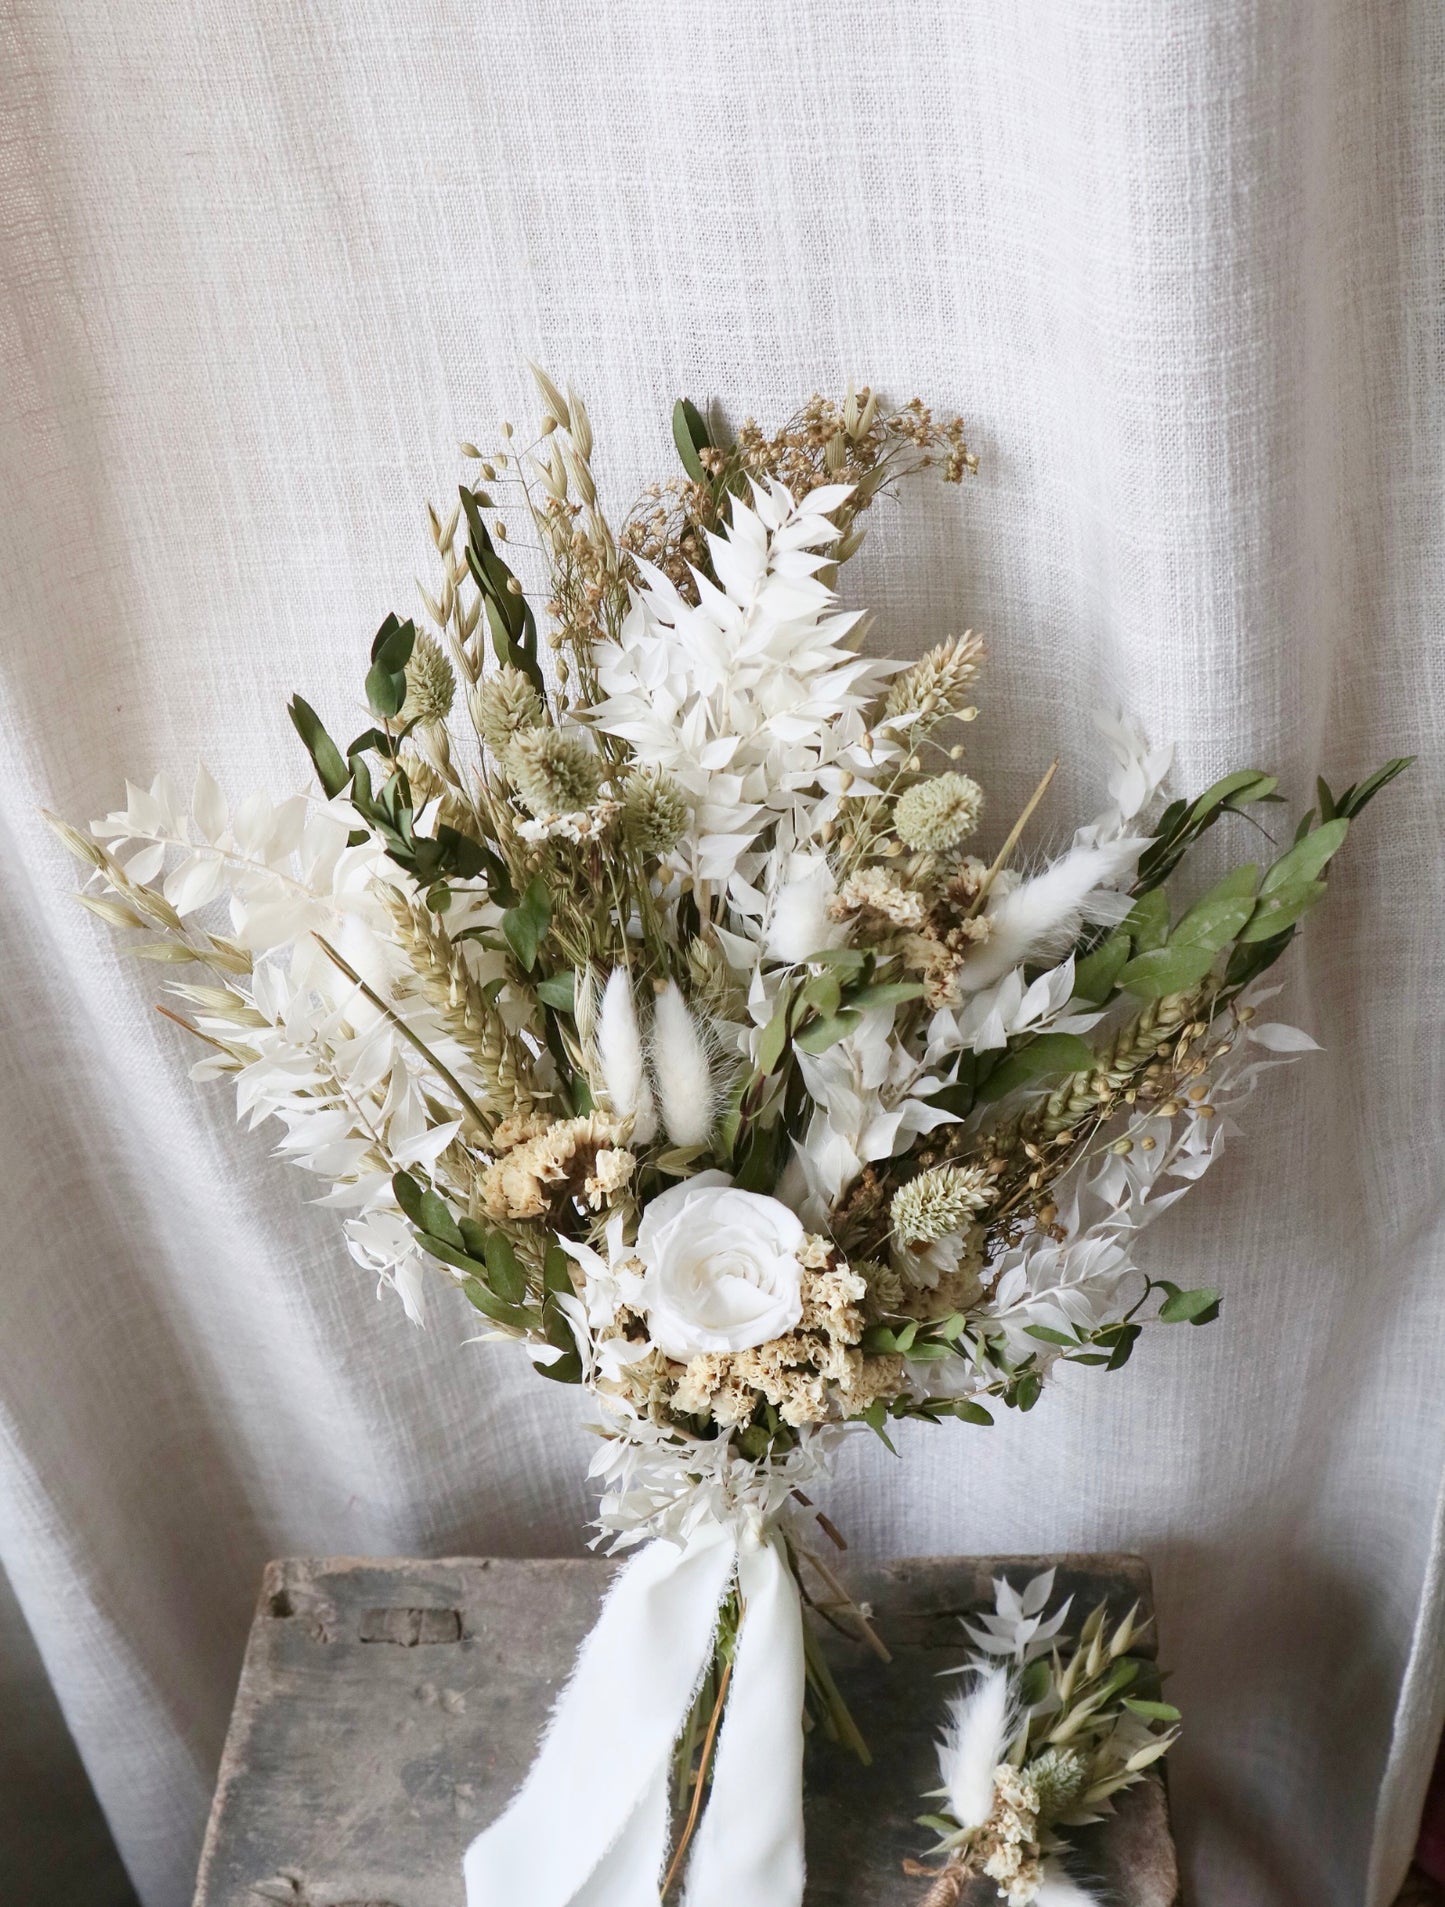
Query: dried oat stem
[
  {"x": 181, "y": 1021},
  {"x": 413, "y": 1039},
  {"x": 846, "y": 1603},
  {"x": 1000, "y": 860},
  {"x": 675, "y": 1865},
  {"x": 449, "y": 986}
]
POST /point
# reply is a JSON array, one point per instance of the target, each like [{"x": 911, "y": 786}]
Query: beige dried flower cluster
[
  {"x": 574, "y": 1161},
  {"x": 856, "y": 443},
  {"x": 1009, "y": 1839},
  {"x": 808, "y": 1376},
  {"x": 925, "y": 915}
]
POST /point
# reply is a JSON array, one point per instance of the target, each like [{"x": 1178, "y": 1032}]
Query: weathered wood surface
[{"x": 388, "y": 1710}]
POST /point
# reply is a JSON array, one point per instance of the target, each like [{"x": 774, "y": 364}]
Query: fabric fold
[
  {"x": 606, "y": 1756},
  {"x": 750, "y": 1844},
  {"x": 598, "y": 1787}
]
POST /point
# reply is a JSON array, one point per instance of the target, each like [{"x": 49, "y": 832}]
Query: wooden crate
[{"x": 388, "y": 1710}]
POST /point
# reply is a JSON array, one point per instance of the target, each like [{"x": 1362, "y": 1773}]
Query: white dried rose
[{"x": 722, "y": 1271}]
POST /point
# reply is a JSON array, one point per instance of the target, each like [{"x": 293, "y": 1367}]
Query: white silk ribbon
[{"x": 589, "y": 1826}]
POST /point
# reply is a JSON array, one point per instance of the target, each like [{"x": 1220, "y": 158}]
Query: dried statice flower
[
  {"x": 938, "y": 1202},
  {"x": 555, "y": 772},
  {"x": 517, "y": 1128},
  {"x": 808, "y": 1375},
  {"x": 543, "y": 1174},
  {"x": 937, "y": 814},
  {"x": 431, "y": 683},
  {"x": 502, "y": 706},
  {"x": 655, "y": 812},
  {"x": 611, "y": 1173},
  {"x": 875, "y": 897},
  {"x": 1011, "y": 1834}
]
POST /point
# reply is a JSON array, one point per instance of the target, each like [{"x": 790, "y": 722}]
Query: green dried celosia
[{"x": 939, "y": 1202}]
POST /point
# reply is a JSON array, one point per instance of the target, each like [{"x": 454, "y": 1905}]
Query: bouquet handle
[{"x": 589, "y": 1826}]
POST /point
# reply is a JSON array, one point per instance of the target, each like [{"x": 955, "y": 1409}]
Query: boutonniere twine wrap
[{"x": 654, "y": 968}]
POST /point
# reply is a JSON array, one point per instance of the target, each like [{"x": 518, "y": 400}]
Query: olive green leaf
[
  {"x": 1050, "y": 1056},
  {"x": 690, "y": 434}
]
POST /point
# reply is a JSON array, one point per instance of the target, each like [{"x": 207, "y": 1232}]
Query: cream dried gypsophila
[
  {"x": 573, "y": 1159},
  {"x": 577, "y": 824},
  {"x": 1011, "y": 1836}
]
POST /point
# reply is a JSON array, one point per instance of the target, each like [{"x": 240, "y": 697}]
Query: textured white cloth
[
  {"x": 645, "y": 1661},
  {"x": 1180, "y": 265}
]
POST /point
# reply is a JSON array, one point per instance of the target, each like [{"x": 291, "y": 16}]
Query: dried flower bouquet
[{"x": 658, "y": 998}]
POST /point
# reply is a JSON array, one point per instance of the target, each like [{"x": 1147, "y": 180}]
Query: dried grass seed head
[
  {"x": 555, "y": 772},
  {"x": 937, "y": 814},
  {"x": 655, "y": 812},
  {"x": 502, "y": 706}
]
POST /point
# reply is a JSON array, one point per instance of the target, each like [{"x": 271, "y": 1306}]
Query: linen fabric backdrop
[{"x": 1180, "y": 266}]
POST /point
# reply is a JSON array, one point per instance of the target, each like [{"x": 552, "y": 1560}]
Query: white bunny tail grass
[
  {"x": 620, "y": 1055},
  {"x": 682, "y": 1069},
  {"x": 1058, "y": 1888},
  {"x": 973, "y": 1743},
  {"x": 1042, "y": 917},
  {"x": 800, "y": 923}
]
